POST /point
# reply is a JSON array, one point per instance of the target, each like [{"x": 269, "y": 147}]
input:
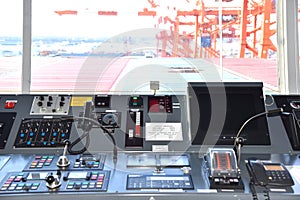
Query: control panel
[
  {"x": 50, "y": 105},
  {"x": 73, "y": 181},
  {"x": 41, "y": 132},
  {"x": 78, "y": 162},
  {"x": 135, "y": 182},
  {"x": 150, "y": 146}
]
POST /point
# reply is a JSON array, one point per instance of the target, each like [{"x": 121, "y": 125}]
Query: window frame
[
  {"x": 288, "y": 47},
  {"x": 26, "y": 58}
]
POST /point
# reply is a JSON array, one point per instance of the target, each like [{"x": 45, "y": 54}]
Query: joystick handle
[
  {"x": 63, "y": 160},
  {"x": 52, "y": 181}
]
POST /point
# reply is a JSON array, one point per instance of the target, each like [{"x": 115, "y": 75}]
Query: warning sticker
[{"x": 80, "y": 101}]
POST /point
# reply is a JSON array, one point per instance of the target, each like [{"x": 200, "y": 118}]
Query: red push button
[{"x": 10, "y": 104}]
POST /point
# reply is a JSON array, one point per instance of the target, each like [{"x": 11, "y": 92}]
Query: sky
[{"x": 45, "y": 22}]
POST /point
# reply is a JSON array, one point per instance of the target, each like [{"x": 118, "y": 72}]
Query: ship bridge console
[{"x": 224, "y": 140}]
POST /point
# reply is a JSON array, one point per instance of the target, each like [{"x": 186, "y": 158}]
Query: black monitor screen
[{"x": 219, "y": 109}]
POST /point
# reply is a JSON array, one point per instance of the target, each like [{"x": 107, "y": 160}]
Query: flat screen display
[{"x": 219, "y": 109}]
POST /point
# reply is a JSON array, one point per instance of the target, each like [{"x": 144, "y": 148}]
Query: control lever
[
  {"x": 63, "y": 160},
  {"x": 53, "y": 181}
]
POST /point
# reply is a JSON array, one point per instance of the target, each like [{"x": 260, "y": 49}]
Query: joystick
[
  {"x": 63, "y": 160},
  {"x": 53, "y": 181}
]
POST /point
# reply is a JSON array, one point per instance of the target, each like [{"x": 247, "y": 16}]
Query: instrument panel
[{"x": 131, "y": 146}]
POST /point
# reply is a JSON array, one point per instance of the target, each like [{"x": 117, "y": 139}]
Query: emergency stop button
[{"x": 10, "y": 104}]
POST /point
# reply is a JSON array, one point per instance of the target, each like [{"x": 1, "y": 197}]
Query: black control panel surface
[
  {"x": 6, "y": 122},
  {"x": 43, "y": 132}
]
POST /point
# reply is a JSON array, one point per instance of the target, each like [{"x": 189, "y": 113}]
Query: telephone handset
[{"x": 266, "y": 173}]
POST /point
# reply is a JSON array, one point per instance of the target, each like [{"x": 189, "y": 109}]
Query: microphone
[
  {"x": 239, "y": 141},
  {"x": 85, "y": 124}
]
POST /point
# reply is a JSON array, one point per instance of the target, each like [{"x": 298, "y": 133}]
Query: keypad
[
  {"x": 276, "y": 175},
  {"x": 96, "y": 182},
  {"x": 89, "y": 162},
  {"x": 41, "y": 161},
  {"x": 15, "y": 183}
]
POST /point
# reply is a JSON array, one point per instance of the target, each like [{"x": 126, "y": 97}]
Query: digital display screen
[
  {"x": 88, "y": 157},
  {"x": 141, "y": 161},
  {"x": 77, "y": 175},
  {"x": 273, "y": 167},
  {"x": 37, "y": 176},
  {"x": 167, "y": 160},
  {"x": 219, "y": 109}
]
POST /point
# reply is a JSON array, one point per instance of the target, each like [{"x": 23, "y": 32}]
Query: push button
[{"x": 10, "y": 104}]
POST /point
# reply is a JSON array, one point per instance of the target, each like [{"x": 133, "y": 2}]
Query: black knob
[
  {"x": 40, "y": 104},
  {"x": 49, "y": 103},
  {"x": 83, "y": 162},
  {"x": 50, "y": 179},
  {"x": 50, "y": 98}
]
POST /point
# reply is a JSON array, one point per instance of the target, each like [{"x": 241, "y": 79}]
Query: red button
[{"x": 10, "y": 104}]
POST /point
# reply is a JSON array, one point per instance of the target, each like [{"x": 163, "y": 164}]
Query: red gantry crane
[
  {"x": 196, "y": 32},
  {"x": 247, "y": 20}
]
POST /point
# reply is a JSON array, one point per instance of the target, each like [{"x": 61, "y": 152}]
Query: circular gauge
[{"x": 110, "y": 119}]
